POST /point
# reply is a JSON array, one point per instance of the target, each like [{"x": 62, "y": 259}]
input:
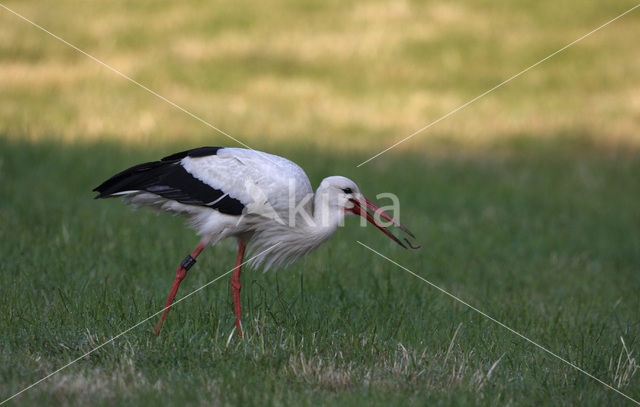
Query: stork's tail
[{"x": 137, "y": 178}]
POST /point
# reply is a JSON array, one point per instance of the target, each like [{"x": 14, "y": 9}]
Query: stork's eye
[{"x": 347, "y": 190}]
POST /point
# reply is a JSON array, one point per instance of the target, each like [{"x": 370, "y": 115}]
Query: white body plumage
[{"x": 278, "y": 200}]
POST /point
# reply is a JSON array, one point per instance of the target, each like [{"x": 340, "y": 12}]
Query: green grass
[
  {"x": 540, "y": 235},
  {"x": 526, "y": 202}
]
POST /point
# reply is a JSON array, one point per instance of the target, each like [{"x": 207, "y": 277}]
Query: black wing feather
[
  {"x": 194, "y": 152},
  {"x": 169, "y": 179}
]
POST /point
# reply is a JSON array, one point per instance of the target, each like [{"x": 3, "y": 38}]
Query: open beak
[{"x": 360, "y": 208}]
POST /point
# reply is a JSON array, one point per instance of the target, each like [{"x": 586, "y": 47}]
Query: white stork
[{"x": 246, "y": 194}]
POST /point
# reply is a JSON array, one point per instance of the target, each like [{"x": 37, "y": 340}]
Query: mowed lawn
[
  {"x": 542, "y": 237},
  {"x": 525, "y": 203}
]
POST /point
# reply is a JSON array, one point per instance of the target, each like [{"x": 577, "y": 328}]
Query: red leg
[
  {"x": 180, "y": 274},
  {"x": 235, "y": 284}
]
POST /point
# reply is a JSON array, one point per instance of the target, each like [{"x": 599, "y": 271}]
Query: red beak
[{"x": 359, "y": 209}]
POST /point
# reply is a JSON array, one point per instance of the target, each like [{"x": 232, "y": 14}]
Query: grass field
[{"x": 526, "y": 203}]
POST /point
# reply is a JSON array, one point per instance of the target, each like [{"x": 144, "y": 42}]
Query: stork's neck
[
  {"x": 308, "y": 233},
  {"x": 326, "y": 217}
]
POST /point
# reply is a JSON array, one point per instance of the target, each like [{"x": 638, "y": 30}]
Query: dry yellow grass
[{"x": 352, "y": 75}]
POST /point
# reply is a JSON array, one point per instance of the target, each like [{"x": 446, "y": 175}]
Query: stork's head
[{"x": 342, "y": 195}]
